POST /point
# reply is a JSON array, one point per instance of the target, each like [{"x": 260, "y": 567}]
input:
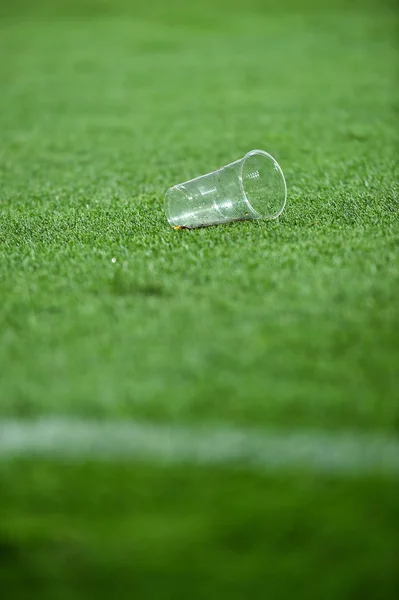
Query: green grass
[
  {"x": 153, "y": 533},
  {"x": 289, "y": 324}
]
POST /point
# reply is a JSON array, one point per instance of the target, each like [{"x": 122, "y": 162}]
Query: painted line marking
[{"x": 349, "y": 453}]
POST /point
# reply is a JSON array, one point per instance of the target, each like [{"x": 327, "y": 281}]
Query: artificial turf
[{"x": 107, "y": 312}]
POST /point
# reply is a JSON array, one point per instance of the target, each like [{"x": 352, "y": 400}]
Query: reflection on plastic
[{"x": 250, "y": 188}]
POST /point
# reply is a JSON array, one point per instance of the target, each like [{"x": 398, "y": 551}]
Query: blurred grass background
[{"x": 291, "y": 324}]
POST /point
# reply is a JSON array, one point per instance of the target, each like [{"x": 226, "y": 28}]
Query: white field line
[{"x": 75, "y": 439}]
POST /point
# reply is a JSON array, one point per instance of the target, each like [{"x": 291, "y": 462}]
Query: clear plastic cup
[{"x": 250, "y": 188}]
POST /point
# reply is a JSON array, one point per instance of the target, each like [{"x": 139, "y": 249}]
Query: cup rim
[{"x": 270, "y": 157}]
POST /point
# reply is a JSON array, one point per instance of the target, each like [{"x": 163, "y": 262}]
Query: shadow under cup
[{"x": 250, "y": 188}]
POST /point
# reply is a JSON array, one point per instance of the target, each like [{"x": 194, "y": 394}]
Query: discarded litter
[{"x": 250, "y": 188}]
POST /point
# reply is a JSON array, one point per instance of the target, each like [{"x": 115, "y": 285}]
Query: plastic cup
[{"x": 250, "y": 188}]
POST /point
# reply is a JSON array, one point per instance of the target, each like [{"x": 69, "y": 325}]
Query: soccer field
[{"x": 211, "y": 413}]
